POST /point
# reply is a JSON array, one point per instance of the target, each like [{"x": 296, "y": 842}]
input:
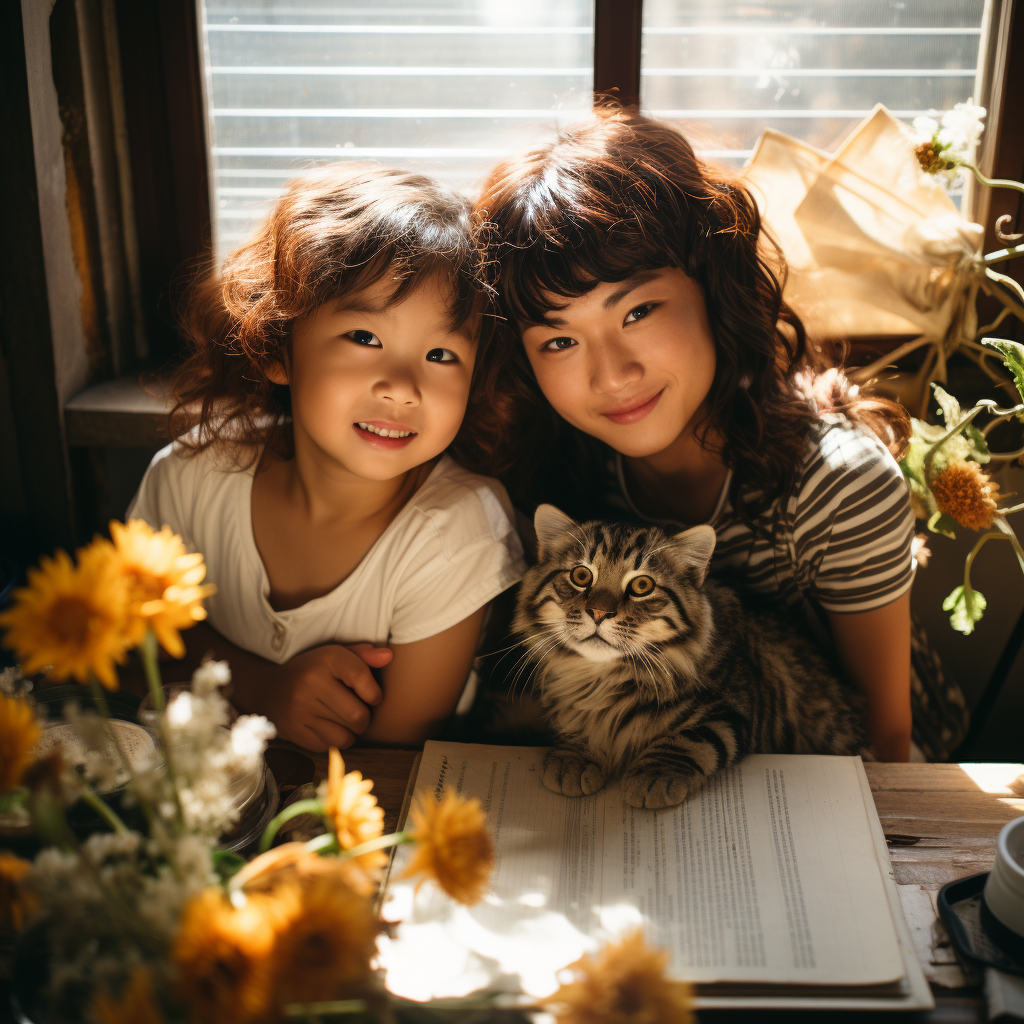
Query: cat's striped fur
[{"x": 650, "y": 672}]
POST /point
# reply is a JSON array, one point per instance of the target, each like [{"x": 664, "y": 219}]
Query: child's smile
[{"x": 379, "y": 387}]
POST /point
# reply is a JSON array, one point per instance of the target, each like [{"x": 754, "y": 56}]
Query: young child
[
  {"x": 331, "y": 364},
  {"x": 657, "y": 373}
]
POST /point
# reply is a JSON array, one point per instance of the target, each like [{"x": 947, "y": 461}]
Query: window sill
[{"x": 121, "y": 413}]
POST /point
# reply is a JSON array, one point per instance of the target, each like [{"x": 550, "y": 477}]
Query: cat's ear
[
  {"x": 552, "y": 526},
  {"x": 693, "y": 548}
]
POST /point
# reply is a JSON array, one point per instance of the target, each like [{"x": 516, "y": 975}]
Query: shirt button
[{"x": 277, "y": 641}]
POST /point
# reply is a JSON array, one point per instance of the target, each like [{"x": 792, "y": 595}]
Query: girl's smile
[
  {"x": 629, "y": 362},
  {"x": 379, "y": 387}
]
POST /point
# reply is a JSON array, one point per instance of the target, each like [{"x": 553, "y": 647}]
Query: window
[
  {"x": 810, "y": 69},
  {"x": 446, "y": 88},
  {"x": 450, "y": 87}
]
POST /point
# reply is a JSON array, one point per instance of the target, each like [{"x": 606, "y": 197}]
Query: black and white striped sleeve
[{"x": 853, "y": 525}]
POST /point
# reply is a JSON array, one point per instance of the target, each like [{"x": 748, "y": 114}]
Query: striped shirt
[{"x": 844, "y": 531}]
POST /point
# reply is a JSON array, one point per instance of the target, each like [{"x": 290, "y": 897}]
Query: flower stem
[
  {"x": 382, "y": 843},
  {"x": 1013, "y": 508},
  {"x": 951, "y": 433},
  {"x": 1002, "y": 254},
  {"x": 327, "y": 843},
  {"x": 101, "y": 807},
  {"x": 992, "y": 182},
  {"x": 1006, "y": 456},
  {"x": 311, "y": 806},
  {"x": 1007, "y": 530},
  {"x": 149, "y": 656}
]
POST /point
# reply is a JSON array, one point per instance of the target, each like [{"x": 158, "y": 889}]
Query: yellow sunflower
[
  {"x": 453, "y": 846},
  {"x": 324, "y": 950},
  {"x": 136, "y": 1005},
  {"x": 353, "y": 812},
  {"x": 19, "y": 733},
  {"x": 624, "y": 983},
  {"x": 165, "y": 582},
  {"x": 964, "y": 491},
  {"x": 222, "y": 955},
  {"x": 16, "y": 905},
  {"x": 70, "y": 622}
]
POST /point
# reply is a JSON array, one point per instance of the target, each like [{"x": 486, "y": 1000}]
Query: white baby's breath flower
[
  {"x": 944, "y": 146},
  {"x": 926, "y": 128},
  {"x": 249, "y": 736},
  {"x": 12, "y": 683},
  {"x": 961, "y": 129},
  {"x": 102, "y": 846},
  {"x": 210, "y": 677}
]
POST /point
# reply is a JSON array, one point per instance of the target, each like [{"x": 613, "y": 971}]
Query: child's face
[
  {"x": 363, "y": 369},
  {"x": 630, "y": 363}
]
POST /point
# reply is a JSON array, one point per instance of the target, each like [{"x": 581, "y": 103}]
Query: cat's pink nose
[{"x": 596, "y": 614}]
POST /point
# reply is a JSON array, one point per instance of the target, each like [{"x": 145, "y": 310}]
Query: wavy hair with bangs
[
  {"x": 334, "y": 231},
  {"x": 619, "y": 194}
]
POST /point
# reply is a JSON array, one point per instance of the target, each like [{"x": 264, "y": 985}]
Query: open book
[{"x": 770, "y": 886}]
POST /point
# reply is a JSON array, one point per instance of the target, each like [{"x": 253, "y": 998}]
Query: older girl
[{"x": 650, "y": 368}]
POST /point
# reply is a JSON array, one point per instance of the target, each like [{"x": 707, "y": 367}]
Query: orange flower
[
  {"x": 624, "y": 983},
  {"x": 324, "y": 950},
  {"x": 964, "y": 491},
  {"x": 164, "y": 582},
  {"x": 453, "y": 846},
  {"x": 19, "y": 733},
  {"x": 70, "y": 622},
  {"x": 222, "y": 954},
  {"x": 136, "y": 1004},
  {"x": 16, "y": 905},
  {"x": 353, "y": 812}
]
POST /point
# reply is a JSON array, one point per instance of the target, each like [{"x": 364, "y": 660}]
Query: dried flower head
[
  {"x": 16, "y": 905},
  {"x": 165, "y": 582},
  {"x": 136, "y": 1004},
  {"x": 353, "y": 812},
  {"x": 324, "y": 950},
  {"x": 19, "y": 733},
  {"x": 930, "y": 157},
  {"x": 70, "y": 622},
  {"x": 964, "y": 491},
  {"x": 624, "y": 983},
  {"x": 453, "y": 846},
  {"x": 222, "y": 955}
]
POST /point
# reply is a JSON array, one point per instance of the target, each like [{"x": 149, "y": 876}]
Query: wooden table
[{"x": 941, "y": 820}]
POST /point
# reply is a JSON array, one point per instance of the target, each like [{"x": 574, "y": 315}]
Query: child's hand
[{"x": 322, "y": 697}]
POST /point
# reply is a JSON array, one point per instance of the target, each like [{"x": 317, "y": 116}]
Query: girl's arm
[
  {"x": 874, "y": 647},
  {"x": 423, "y": 683},
  {"x": 318, "y": 699}
]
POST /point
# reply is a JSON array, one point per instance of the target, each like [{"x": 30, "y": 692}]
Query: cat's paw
[
  {"x": 572, "y": 774},
  {"x": 655, "y": 790}
]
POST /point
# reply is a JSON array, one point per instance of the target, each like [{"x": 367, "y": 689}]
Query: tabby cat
[{"x": 651, "y": 672}]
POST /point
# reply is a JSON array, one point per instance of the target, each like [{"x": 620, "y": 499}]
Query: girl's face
[
  {"x": 376, "y": 386},
  {"x": 629, "y": 363}
]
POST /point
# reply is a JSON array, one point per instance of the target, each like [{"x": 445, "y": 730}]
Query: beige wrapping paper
[{"x": 875, "y": 247}]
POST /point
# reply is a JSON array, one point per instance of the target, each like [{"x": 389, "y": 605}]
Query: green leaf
[
  {"x": 965, "y": 608},
  {"x": 1013, "y": 359},
  {"x": 948, "y": 406},
  {"x": 953, "y": 414},
  {"x": 227, "y": 863},
  {"x": 941, "y": 523}
]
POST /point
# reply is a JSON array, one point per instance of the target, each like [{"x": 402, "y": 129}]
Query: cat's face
[{"x": 608, "y": 590}]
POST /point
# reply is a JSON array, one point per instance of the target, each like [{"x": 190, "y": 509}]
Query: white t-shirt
[{"x": 449, "y": 551}]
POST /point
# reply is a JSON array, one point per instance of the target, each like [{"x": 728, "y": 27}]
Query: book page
[{"x": 767, "y": 874}]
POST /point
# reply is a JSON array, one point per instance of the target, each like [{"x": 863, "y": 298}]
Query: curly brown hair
[
  {"x": 619, "y": 194},
  {"x": 333, "y": 232}
]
